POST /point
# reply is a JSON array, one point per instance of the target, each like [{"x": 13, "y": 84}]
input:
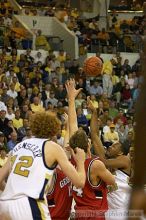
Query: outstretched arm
[
  {"x": 72, "y": 94},
  {"x": 97, "y": 144},
  {"x": 66, "y": 138}
]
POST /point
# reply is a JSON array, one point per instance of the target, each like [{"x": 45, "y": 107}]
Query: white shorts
[{"x": 25, "y": 209}]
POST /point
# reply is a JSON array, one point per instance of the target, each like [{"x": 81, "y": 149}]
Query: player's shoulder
[
  {"x": 51, "y": 145},
  {"x": 124, "y": 157},
  {"x": 97, "y": 164}
]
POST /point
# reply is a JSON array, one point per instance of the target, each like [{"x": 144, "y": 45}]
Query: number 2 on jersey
[{"x": 24, "y": 162}]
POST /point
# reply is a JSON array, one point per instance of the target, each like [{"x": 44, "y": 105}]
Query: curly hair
[
  {"x": 79, "y": 139},
  {"x": 45, "y": 124}
]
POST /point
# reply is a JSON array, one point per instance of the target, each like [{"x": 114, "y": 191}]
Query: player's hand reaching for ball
[{"x": 70, "y": 88}]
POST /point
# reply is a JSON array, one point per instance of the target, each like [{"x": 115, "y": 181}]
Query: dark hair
[{"x": 79, "y": 139}]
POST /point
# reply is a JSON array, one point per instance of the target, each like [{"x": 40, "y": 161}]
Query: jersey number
[{"x": 24, "y": 162}]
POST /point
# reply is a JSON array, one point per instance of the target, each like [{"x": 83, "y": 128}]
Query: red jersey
[
  {"x": 60, "y": 198},
  {"x": 91, "y": 201}
]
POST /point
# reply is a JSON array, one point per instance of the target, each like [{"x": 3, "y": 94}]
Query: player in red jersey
[
  {"x": 60, "y": 197},
  {"x": 91, "y": 201}
]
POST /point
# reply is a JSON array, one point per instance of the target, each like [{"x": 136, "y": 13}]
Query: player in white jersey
[
  {"x": 33, "y": 164},
  {"x": 119, "y": 163}
]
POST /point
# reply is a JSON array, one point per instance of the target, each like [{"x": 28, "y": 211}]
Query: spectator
[
  {"x": 82, "y": 120},
  {"x": 106, "y": 128},
  {"x": 13, "y": 141},
  {"x": 28, "y": 56},
  {"x": 93, "y": 25},
  {"x": 3, "y": 121},
  {"x": 17, "y": 121},
  {"x": 126, "y": 67},
  {"x": 21, "y": 132},
  {"x": 61, "y": 56},
  {"x": 52, "y": 99},
  {"x": 60, "y": 93},
  {"x": 41, "y": 42},
  {"x": 79, "y": 100},
  {"x": 11, "y": 92},
  {"x": 95, "y": 89},
  {"x": 127, "y": 97},
  {"x": 28, "y": 133},
  {"x": 2, "y": 141},
  {"x": 130, "y": 81},
  {"x": 122, "y": 134},
  {"x": 111, "y": 136},
  {"x": 107, "y": 74},
  {"x": 128, "y": 142},
  {"x": 22, "y": 95},
  {"x": 4, "y": 95},
  {"x": 16, "y": 84},
  {"x": 35, "y": 106},
  {"x": 39, "y": 58},
  {"x": 113, "y": 111},
  {"x": 121, "y": 116},
  {"x": 104, "y": 116},
  {"x": 10, "y": 114},
  {"x": 24, "y": 111},
  {"x": 94, "y": 101}
]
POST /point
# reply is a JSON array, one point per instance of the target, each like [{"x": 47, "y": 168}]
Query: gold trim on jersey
[{"x": 43, "y": 217}]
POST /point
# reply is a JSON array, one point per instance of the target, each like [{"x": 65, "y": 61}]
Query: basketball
[{"x": 92, "y": 66}]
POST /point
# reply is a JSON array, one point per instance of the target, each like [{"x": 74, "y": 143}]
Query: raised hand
[{"x": 72, "y": 92}]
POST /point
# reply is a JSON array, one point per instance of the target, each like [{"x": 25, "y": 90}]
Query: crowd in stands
[
  {"x": 123, "y": 35},
  {"x": 31, "y": 83}
]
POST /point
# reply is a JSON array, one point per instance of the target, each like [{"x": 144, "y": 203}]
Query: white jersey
[
  {"x": 118, "y": 198},
  {"x": 29, "y": 175}
]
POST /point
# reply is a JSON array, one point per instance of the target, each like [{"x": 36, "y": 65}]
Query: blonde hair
[{"x": 45, "y": 124}]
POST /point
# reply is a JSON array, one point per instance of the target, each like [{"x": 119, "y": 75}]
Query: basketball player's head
[
  {"x": 45, "y": 125},
  {"x": 115, "y": 150},
  {"x": 80, "y": 139}
]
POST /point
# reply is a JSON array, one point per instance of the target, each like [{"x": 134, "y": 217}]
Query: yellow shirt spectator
[
  {"x": 61, "y": 58},
  {"x": 41, "y": 42},
  {"x": 112, "y": 135},
  {"x": 107, "y": 67},
  {"x": 17, "y": 123},
  {"x": 17, "y": 87},
  {"x": 36, "y": 108}
]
